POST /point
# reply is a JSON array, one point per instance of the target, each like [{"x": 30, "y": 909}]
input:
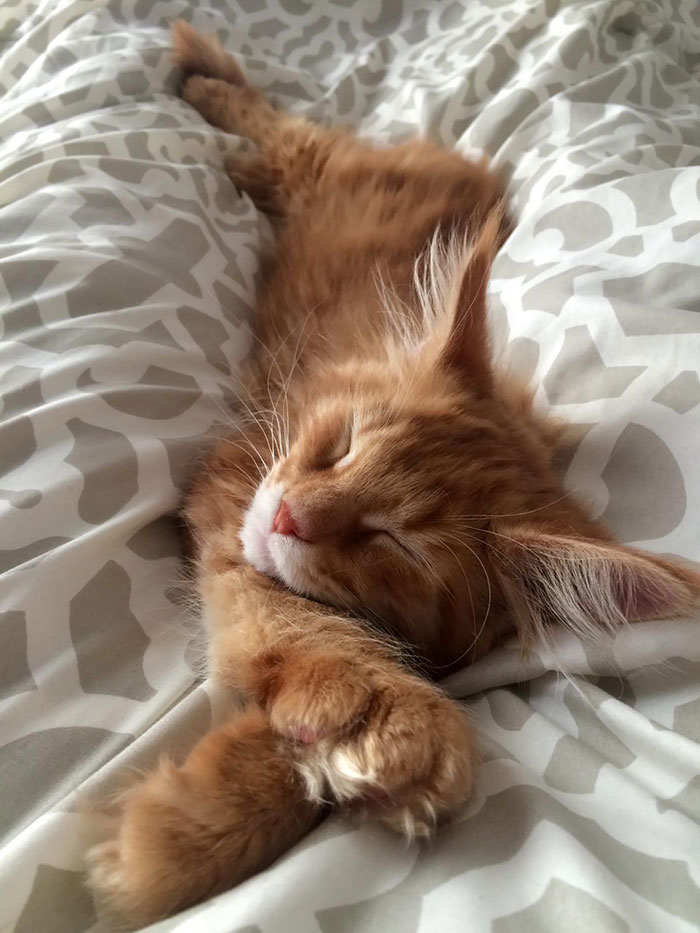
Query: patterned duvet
[{"x": 127, "y": 267}]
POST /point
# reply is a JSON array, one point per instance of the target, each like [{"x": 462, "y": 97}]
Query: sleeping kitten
[{"x": 391, "y": 480}]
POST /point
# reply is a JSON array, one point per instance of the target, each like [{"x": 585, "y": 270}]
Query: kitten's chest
[{"x": 335, "y": 308}]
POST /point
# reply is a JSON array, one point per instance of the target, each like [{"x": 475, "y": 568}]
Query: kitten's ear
[
  {"x": 467, "y": 347},
  {"x": 585, "y": 584}
]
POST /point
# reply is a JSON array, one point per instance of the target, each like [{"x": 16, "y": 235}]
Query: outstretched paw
[
  {"x": 317, "y": 697},
  {"x": 377, "y": 738},
  {"x": 187, "y": 832}
]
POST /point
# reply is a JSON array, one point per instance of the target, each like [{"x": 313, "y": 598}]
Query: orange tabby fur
[{"x": 413, "y": 488}]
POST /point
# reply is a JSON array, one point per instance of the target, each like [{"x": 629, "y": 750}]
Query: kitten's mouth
[
  {"x": 285, "y": 556},
  {"x": 272, "y": 539},
  {"x": 276, "y": 543}
]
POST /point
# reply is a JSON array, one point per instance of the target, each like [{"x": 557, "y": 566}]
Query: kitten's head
[
  {"x": 375, "y": 508},
  {"x": 419, "y": 490}
]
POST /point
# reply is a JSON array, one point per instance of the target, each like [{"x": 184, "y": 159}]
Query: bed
[{"x": 127, "y": 268}]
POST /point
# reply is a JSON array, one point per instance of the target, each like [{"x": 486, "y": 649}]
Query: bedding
[{"x": 127, "y": 267}]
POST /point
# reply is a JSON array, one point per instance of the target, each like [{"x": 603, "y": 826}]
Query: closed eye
[
  {"x": 346, "y": 458},
  {"x": 394, "y": 539},
  {"x": 336, "y": 453},
  {"x": 337, "y": 449}
]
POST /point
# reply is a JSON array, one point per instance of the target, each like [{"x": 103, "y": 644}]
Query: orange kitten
[{"x": 390, "y": 471}]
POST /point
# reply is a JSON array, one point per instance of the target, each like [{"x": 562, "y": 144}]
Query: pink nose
[{"x": 283, "y": 523}]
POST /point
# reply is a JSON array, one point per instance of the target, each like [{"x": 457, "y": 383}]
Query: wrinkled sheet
[{"x": 127, "y": 265}]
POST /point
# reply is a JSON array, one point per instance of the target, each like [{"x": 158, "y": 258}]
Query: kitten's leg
[
  {"x": 214, "y": 84},
  {"x": 292, "y": 150},
  {"x": 257, "y": 177},
  {"x": 231, "y": 809},
  {"x": 242, "y": 110}
]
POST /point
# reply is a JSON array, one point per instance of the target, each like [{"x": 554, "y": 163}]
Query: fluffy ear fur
[
  {"x": 585, "y": 584},
  {"x": 467, "y": 346}
]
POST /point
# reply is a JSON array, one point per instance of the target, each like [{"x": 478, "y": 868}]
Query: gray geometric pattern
[{"x": 127, "y": 271}]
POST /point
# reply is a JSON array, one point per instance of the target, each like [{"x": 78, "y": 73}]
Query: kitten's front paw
[
  {"x": 186, "y": 832},
  {"x": 411, "y": 762},
  {"x": 313, "y": 697},
  {"x": 376, "y": 738},
  {"x": 151, "y": 866}
]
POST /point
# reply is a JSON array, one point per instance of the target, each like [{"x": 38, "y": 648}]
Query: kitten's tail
[{"x": 197, "y": 54}]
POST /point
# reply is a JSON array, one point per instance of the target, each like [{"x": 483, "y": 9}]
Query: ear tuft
[
  {"x": 467, "y": 348},
  {"x": 586, "y": 585}
]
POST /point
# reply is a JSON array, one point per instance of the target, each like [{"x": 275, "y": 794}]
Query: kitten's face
[{"x": 371, "y": 511}]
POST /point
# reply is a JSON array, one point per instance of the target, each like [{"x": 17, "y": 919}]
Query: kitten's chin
[{"x": 287, "y": 560}]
